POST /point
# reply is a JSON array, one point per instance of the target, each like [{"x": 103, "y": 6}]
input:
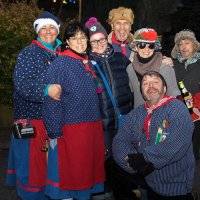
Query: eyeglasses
[
  {"x": 142, "y": 45},
  {"x": 96, "y": 42},
  {"x": 76, "y": 39}
]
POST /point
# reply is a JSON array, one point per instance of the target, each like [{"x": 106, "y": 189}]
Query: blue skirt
[
  {"x": 52, "y": 186},
  {"x": 18, "y": 170}
]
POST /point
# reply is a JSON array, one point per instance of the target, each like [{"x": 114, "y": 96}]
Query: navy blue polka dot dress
[
  {"x": 76, "y": 152},
  {"x": 27, "y": 164}
]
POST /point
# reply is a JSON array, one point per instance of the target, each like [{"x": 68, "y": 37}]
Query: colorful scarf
[
  {"x": 109, "y": 50},
  {"x": 189, "y": 61},
  {"x": 38, "y": 43}
]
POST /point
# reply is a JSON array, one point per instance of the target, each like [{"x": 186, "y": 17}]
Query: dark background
[{"x": 167, "y": 17}]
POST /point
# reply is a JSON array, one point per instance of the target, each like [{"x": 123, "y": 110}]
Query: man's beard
[{"x": 156, "y": 98}]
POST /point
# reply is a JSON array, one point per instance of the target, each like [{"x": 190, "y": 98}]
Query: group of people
[{"x": 73, "y": 98}]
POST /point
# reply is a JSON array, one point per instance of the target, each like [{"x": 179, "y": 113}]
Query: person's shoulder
[
  {"x": 136, "y": 114},
  {"x": 62, "y": 58},
  {"x": 177, "y": 62},
  {"x": 27, "y": 48},
  {"x": 138, "y": 110},
  {"x": 65, "y": 61},
  {"x": 164, "y": 68},
  {"x": 130, "y": 69},
  {"x": 28, "y": 51},
  {"x": 177, "y": 104},
  {"x": 120, "y": 55}
]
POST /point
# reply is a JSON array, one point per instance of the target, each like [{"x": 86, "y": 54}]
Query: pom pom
[
  {"x": 99, "y": 90},
  {"x": 150, "y": 35},
  {"x": 91, "y": 21}
]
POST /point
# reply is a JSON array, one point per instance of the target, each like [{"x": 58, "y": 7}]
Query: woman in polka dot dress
[
  {"x": 27, "y": 161},
  {"x": 76, "y": 150}
]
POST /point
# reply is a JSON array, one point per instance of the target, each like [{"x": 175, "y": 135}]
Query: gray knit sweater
[{"x": 166, "y": 71}]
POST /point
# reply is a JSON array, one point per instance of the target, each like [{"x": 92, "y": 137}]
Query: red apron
[
  {"x": 38, "y": 159},
  {"x": 81, "y": 156}
]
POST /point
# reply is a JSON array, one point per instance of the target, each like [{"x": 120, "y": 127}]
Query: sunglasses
[{"x": 142, "y": 45}]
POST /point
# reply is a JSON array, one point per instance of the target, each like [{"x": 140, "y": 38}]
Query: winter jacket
[{"x": 114, "y": 69}]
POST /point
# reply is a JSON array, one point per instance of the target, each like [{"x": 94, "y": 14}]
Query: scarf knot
[
  {"x": 121, "y": 44},
  {"x": 85, "y": 61}
]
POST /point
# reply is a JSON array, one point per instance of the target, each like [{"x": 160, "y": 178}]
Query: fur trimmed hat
[
  {"x": 46, "y": 18},
  {"x": 121, "y": 13},
  {"x": 94, "y": 27},
  {"x": 183, "y": 35},
  {"x": 146, "y": 35}
]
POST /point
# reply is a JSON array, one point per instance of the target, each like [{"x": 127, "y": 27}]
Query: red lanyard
[{"x": 70, "y": 53}]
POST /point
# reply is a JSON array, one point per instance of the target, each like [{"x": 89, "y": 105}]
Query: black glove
[{"x": 138, "y": 163}]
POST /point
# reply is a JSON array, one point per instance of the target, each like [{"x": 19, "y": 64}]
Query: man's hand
[
  {"x": 168, "y": 61},
  {"x": 138, "y": 163},
  {"x": 54, "y": 91}
]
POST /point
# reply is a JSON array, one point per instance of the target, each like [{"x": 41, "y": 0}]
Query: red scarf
[
  {"x": 121, "y": 44},
  {"x": 147, "y": 123},
  {"x": 70, "y": 53},
  {"x": 43, "y": 47}
]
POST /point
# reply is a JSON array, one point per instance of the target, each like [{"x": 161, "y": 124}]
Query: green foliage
[{"x": 16, "y": 25}]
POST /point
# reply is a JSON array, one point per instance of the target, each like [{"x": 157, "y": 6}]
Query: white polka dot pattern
[
  {"x": 79, "y": 99},
  {"x": 29, "y": 81}
]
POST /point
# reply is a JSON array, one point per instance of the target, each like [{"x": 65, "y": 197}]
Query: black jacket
[
  {"x": 114, "y": 69},
  {"x": 190, "y": 76}
]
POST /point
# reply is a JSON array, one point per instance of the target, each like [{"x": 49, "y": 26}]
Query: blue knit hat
[{"x": 46, "y": 18}]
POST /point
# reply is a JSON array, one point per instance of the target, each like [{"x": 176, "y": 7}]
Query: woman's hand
[
  {"x": 168, "y": 61},
  {"x": 54, "y": 91},
  {"x": 196, "y": 111}
]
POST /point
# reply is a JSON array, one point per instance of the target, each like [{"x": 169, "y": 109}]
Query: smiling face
[
  {"x": 48, "y": 33},
  {"x": 153, "y": 89},
  {"x": 78, "y": 43},
  {"x": 187, "y": 48},
  {"x": 98, "y": 43},
  {"x": 145, "y": 50},
  {"x": 121, "y": 29}
]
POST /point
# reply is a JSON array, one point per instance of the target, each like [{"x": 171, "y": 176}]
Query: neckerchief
[
  {"x": 72, "y": 54},
  {"x": 189, "y": 61},
  {"x": 147, "y": 123},
  {"x": 43, "y": 47},
  {"x": 121, "y": 44}
]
